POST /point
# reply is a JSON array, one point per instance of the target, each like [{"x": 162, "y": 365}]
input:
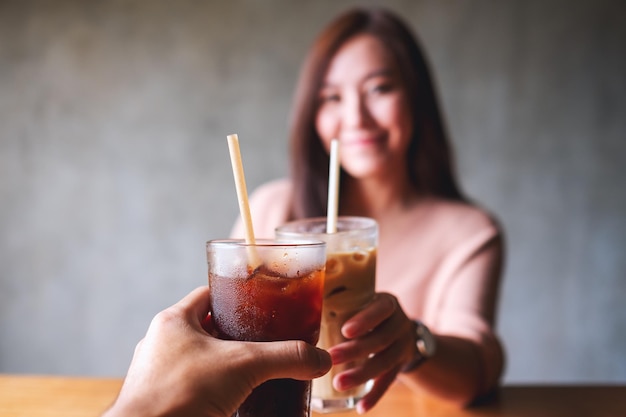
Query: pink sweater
[{"x": 442, "y": 260}]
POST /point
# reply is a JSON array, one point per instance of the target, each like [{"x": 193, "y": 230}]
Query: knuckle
[
  {"x": 165, "y": 317},
  {"x": 302, "y": 351},
  {"x": 388, "y": 300}
]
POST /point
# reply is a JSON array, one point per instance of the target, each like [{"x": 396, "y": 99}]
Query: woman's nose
[{"x": 355, "y": 112}]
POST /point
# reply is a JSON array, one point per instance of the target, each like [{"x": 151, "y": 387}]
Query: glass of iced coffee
[
  {"x": 268, "y": 291},
  {"x": 349, "y": 286}
]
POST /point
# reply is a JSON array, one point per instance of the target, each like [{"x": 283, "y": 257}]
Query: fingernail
[
  {"x": 336, "y": 355},
  {"x": 325, "y": 361},
  {"x": 343, "y": 382}
]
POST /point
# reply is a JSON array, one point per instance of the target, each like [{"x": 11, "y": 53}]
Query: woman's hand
[
  {"x": 179, "y": 369},
  {"x": 382, "y": 334}
]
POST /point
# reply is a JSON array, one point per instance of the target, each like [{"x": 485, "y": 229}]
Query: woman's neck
[{"x": 376, "y": 198}]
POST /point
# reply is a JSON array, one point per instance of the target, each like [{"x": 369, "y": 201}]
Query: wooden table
[{"x": 50, "y": 396}]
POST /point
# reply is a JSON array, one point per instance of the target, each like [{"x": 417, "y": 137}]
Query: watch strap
[{"x": 419, "y": 358}]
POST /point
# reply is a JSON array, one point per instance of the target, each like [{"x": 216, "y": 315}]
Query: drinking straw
[
  {"x": 333, "y": 188},
  {"x": 242, "y": 196}
]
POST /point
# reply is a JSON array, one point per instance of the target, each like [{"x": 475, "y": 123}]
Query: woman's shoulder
[
  {"x": 269, "y": 207},
  {"x": 278, "y": 186},
  {"x": 272, "y": 192},
  {"x": 459, "y": 216}
]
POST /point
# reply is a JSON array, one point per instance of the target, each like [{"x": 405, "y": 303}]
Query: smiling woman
[
  {"x": 366, "y": 83},
  {"x": 364, "y": 103}
]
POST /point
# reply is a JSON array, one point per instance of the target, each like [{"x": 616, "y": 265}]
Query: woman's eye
[
  {"x": 329, "y": 98},
  {"x": 381, "y": 88}
]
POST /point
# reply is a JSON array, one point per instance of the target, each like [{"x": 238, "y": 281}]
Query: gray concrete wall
[{"x": 114, "y": 167}]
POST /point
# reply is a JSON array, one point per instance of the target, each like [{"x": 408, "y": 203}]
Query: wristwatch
[{"x": 425, "y": 344}]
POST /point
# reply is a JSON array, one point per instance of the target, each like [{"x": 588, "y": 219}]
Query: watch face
[{"x": 425, "y": 341}]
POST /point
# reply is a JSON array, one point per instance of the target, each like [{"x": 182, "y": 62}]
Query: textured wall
[{"x": 114, "y": 167}]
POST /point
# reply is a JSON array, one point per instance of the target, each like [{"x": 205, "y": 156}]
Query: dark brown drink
[{"x": 281, "y": 299}]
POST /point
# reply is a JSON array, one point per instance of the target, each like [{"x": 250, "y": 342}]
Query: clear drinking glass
[
  {"x": 349, "y": 286},
  {"x": 268, "y": 291}
]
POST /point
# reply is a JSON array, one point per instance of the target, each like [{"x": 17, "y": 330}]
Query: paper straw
[
  {"x": 242, "y": 196},
  {"x": 333, "y": 188}
]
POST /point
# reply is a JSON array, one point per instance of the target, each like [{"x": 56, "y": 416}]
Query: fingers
[
  {"x": 381, "y": 385},
  {"x": 376, "y": 341},
  {"x": 394, "y": 328},
  {"x": 380, "y": 309},
  {"x": 196, "y": 303},
  {"x": 389, "y": 360},
  {"x": 380, "y": 334},
  {"x": 292, "y": 359}
]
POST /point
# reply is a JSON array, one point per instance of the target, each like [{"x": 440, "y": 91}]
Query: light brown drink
[{"x": 349, "y": 286}]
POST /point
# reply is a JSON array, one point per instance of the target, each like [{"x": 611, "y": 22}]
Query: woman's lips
[{"x": 362, "y": 141}]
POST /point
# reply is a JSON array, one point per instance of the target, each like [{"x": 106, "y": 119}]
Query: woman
[{"x": 366, "y": 82}]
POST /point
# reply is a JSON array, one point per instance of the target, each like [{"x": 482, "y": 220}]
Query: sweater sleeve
[{"x": 463, "y": 299}]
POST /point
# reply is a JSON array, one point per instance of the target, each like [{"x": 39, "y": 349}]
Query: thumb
[{"x": 293, "y": 359}]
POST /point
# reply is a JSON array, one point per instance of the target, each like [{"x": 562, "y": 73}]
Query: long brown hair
[{"x": 429, "y": 154}]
